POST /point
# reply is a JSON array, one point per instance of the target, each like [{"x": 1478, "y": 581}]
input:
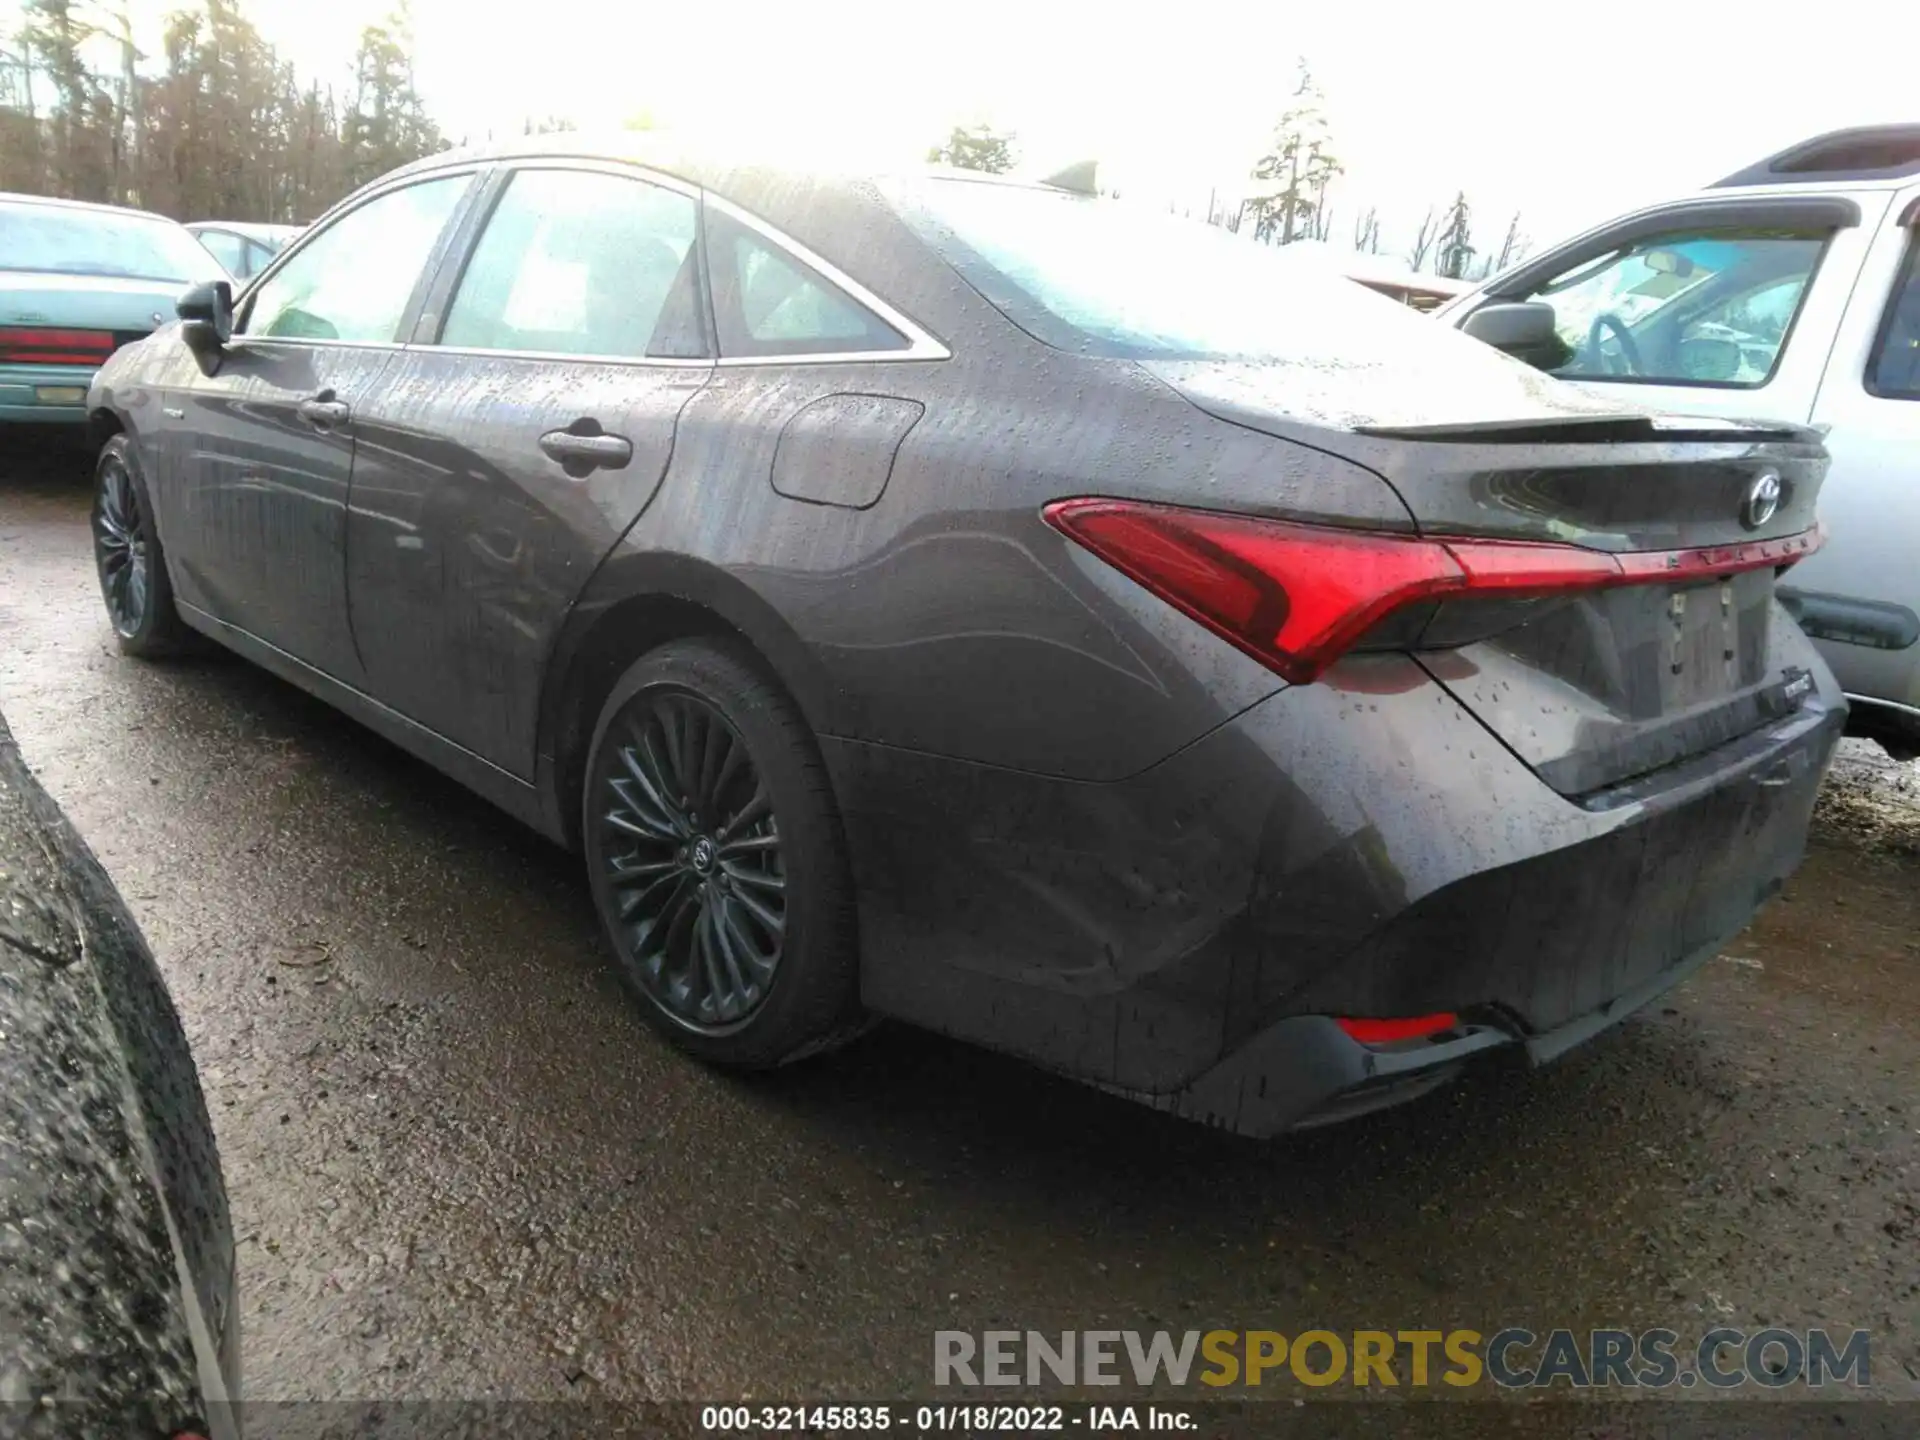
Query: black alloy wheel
[
  {"x": 131, "y": 564},
  {"x": 693, "y": 859},
  {"x": 716, "y": 858},
  {"x": 120, "y": 549}
]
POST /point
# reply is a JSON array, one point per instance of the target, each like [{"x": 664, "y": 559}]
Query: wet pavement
[{"x": 461, "y": 1165}]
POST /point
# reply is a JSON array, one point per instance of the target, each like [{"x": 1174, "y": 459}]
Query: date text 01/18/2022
[{"x": 945, "y": 1419}]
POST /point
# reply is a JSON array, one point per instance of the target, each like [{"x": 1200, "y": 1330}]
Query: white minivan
[{"x": 1790, "y": 290}]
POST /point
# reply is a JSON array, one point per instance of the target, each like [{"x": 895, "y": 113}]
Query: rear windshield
[
  {"x": 1112, "y": 278},
  {"x": 51, "y": 239}
]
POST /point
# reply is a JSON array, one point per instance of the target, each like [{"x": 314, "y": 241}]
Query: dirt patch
[{"x": 1870, "y": 802}]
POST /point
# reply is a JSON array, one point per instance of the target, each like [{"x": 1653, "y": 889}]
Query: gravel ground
[{"x": 461, "y": 1166}]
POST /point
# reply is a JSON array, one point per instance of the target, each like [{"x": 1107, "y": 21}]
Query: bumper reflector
[{"x": 1385, "y": 1032}]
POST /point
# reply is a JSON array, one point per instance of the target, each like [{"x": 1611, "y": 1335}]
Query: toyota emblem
[{"x": 1763, "y": 500}]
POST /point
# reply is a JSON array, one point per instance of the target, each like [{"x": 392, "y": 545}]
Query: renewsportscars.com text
[{"x": 1513, "y": 1358}]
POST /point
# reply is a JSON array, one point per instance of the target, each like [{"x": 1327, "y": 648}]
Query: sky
[{"x": 1568, "y": 114}]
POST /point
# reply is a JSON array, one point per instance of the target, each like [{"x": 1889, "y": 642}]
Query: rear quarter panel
[{"x": 946, "y": 615}]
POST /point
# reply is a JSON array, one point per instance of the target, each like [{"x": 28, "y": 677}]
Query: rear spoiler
[{"x": 1598, "y": 430}]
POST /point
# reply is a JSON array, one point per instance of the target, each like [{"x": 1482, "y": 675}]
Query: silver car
[{"x": 1789, "y": 290}]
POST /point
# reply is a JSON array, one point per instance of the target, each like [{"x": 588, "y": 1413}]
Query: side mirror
[
  {"x": 1523, "y": 329},
  {"x": 207, "y": 309},
  {"x": 1512, "y": 326}
]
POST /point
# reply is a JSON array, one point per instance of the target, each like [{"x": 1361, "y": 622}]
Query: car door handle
[
  {"x": 581, "y": 454},
  {"x": 323, "y": 412}
]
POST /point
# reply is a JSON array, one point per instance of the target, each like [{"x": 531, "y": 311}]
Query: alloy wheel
[
  {"x": 120, "y": 549},
  {"x": 691, "y": 860}
]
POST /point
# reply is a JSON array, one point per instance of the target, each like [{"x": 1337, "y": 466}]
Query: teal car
[{"x": 76, "y": 283}]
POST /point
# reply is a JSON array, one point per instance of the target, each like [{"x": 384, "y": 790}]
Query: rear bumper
[
  {"x": 1358, "y": 847},
  {"x": 34, "y": 393},
  {"x": 1304, "y": 1072}
]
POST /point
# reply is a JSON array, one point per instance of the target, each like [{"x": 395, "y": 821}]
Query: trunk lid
[
  {"x": 1610, "y": 684},
  {"x": 128, "y": 308}
]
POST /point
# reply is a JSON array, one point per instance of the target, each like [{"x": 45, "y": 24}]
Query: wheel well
[
  {"x": 628, "y": 630},
  {"x": 1896, "y": 730},
  {"x": 102, "y": 426}
]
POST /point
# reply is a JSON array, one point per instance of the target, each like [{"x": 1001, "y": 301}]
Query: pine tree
[
  {"x": 1296, "y": 170},
  {"x": 1456, "y": 250}
]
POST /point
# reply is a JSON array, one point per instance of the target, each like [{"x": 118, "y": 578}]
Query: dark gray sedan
[{"x": 1040, "y": 619}]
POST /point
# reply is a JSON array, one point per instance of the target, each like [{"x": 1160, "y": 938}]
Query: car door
[
  {"x": 1870, "y": 402},
  {"x": 260, "y": 447},
  {"x": 518, "y": 438},
  {"x": 1694, "y": 307}
]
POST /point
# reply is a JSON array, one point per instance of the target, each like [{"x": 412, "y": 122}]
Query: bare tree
[
  {"x": 20, "y": 157},
  {"x": 217, "y": 124},
  {"x": 1366, "y": 232},
  {"x": 1226, "y": 216},
  {"x": 52, "y": 34},
  {"x": 1512, "y": 249},
  {"x": 1423, "y": 241}
]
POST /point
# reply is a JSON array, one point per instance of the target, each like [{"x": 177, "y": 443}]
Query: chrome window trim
[
  {"x": 921, "y": 344},
  {"x": 250, "y": 342},
  {"x": 831, "y": 357},
  {"x": 625, "y": 170}
]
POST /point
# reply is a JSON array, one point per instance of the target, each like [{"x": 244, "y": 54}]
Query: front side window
[
  {"x": 577, "y": 262},
  {"x": 766, "y": 302},
  {"x": 1690, "y": 308},
  {"x": 1893, "y": 370},
  {"x": 351, "y": 282}
]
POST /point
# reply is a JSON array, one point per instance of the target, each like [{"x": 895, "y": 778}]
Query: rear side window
[
  {"x": 578, "y": 262},
  {"x": 1893, "y": 370},
  {"x": 1707, "y": 308},
  {"x": 351, "y": 282},
  {"x": 766, "y": 302}
]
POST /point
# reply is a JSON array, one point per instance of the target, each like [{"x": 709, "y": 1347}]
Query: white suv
[{"x": 1790, "y": 290}]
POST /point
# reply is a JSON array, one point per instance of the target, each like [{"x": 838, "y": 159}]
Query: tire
[
  {"x": 129, "y": 561},
  {"x": 685, "y": 899}
]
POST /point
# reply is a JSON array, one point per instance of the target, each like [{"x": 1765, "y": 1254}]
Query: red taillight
[
  {"x": 1292, "y": 596},
  {"x": 1296, "y": 597},
  {"x": 32, "y": 345},
  {"x": 1385, "y": 1032}
]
